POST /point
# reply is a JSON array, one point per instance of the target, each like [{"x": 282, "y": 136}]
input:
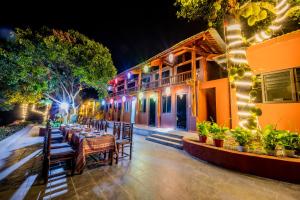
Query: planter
[
  {"x": 202, "y": 138},
  {"x": 241, "y": 148},
  {"x": 289, "y": 153},
  {"x": 218, "y": 143},
  {"x": 271, "y": 152}
]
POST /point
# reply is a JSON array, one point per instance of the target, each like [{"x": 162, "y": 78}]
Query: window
[
  {"x": 127, "y": 103},
  {"x": 165, "y": 74},
  {"x": 214, "y": 71},
  {"x": 278, "y": 86},
  {"x": 166, "y": 104},
  {"x": 297, "y": 75},
  {"x": 258, "y": 98},
  {"x": 143, "y": 105}
]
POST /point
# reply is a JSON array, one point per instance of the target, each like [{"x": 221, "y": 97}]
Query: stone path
[{"x": 161, "y": 172}]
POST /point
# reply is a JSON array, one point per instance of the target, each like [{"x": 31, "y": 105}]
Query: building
[{"x": 183, "y": 85}]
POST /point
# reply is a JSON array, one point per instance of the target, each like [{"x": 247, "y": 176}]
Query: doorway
[
  {"x": 152, "y": 112},
  {"x": 181, "y": 111},
  {"x": 211, "y": 104},
  {"x": 132, "y": 114}
]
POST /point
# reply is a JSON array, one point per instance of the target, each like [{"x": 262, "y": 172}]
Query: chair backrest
[
  {"x": 127, "y": 130},
  {"x": 105, "y": 125},
  {"x": 117, "y": 130},
  {"x": 101, "y": 127}
]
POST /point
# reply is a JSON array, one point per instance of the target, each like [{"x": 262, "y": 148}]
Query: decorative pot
[
  {"x": 289, "y": 153},
  {"x": 202, "y": 138},
  {"x": 218, "y": 142},
  {"x": 241, "y": 148}
]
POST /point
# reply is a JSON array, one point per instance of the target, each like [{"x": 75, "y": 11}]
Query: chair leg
[
  {"x": 73, "y": 166},
  {"x": 130, "y": 153},
  {"x": 122, "y": 150}
]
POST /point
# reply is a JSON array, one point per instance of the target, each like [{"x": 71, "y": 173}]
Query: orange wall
[
  {"x": 222, "y": 100},
  {"x": 278, "y": 53}
]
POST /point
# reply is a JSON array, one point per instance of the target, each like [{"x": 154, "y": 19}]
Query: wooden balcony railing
[{"x": 172, "y": 80}]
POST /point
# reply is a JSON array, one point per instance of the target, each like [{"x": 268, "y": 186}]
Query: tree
[
  {"x": 66, "y": 60},
  {"x": 260, "y": 20}
]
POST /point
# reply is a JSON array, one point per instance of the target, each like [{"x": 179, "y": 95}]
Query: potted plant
[
  {"x": 270, "y": 139},
  {"x": 289, "y": 141},
  {"x": 203, "y": 130},
  {"x": 218, "y": 134},
  {"x": 242, "y": 136}
]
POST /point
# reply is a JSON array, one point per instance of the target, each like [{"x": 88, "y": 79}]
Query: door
[
  {"x": 119, "y": 111},
  {"x": 152, "y": 112},
  {"x": 132, "y": 114},
  {"x": 181, "y": 111},
  {"x": 211, "y": 104}
]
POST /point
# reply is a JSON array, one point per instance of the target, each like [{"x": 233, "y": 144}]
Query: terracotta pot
[
  {"x": 218, "y": 143},
  {"x": 202, "y": 138}
]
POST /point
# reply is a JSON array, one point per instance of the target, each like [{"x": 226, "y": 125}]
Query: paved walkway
[{"x": 160, "y": 172}]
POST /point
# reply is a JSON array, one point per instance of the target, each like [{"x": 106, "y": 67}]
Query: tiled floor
[{"x": 159, "y": 172}]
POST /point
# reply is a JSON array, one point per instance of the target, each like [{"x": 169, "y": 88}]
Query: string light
[
  {"x": 258, "y": 39},
  {"x": 280, "y": 4},
  {"x": 274, "y": 28},
  {"x": 235, "y": 43},
  {"x": 243, "y": 96},
  {"x": 237, "y": 51},
  {"x": 242, "y": 103},
  {"x": 231, "y": 37},
  {"x": 248, "y": 73},
  {"x": 243, "y": 83},
  {"x": 264, "y": 35},
  {"x": 234, "y": 27},
  {"x": 239, "y": 60},
  {"x": 244, "y": 113},
  {"x": 24, "y": 108},
  {"x": 284, "y": 9}
]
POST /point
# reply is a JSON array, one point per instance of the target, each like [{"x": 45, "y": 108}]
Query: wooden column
[
  {"x": 158, "y": 109},
  {"x": 203, "y": 64},
  {"x": 160, "y": 72},
  {"x": 139, "y": 79},
  {"x": 194, "y": 79}
]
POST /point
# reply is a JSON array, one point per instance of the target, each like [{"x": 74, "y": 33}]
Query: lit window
[
  {"x": 143, "y": 105},
  {"x": 166, "y": 104},
  {"x": 278, "y": 86},
  {"x": 297, "y": 75}
]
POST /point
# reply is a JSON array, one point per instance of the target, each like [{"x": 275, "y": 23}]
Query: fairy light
[
  {"x": 234, "y": 27},
  {"x": 237, "y": 51},
  {"x": 242, "y": 103},
  {"x": 220, "y": 61},
  {"x": 280, "y": 4},
  {"x": 232, "y": 37},
  {"x": 243, "y": 83},
  {"x": 264, "y": 35},
  {"x": 274, "y": 28},
  {"x": 258, "y": 38},
  {"x": 280, "y": 19},
  {"x": 244, "y": 113},
  {"x": 239, "y": 60},
  {"x": 235, "y": 43},
  {"x": 284, "y": 9},
  {"x": 24, "y": 108},
  {"x": 249, "y": 73},
  {"x": 243, "y": 96}
]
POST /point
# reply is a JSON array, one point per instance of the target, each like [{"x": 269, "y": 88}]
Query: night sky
[{"x": 133, "y": 31}]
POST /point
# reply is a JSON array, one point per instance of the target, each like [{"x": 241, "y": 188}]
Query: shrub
[
  {"x": 218, "y": 132},
  {"x": 289, "y": 140},
  {"x": 203, "y": 128},
  {"x": 270, "y": 137},
  {"x": 242, "y": 136}
]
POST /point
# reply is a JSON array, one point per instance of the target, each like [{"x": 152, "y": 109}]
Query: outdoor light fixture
[
  {"x": 128, "y": 75},
  {"x": 64, "y": 106},
  {"x": 153, "y": 97},
  {"x": 111, "y": 101},
  {"x": 141, "y": 95},
  {"x": 168, "y": 91},
  {"x": 116, "y": 81},
  {"x": 123, "y": 98},
  {"x": 103, "y": 102},
  {"x": 171, "y": 58},
  {"x": 24, "y": 108},
  {"x": 146, "y": 68}
]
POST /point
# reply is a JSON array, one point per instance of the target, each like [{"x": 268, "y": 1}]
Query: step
[
  {"x": 57, "y": 177},
  {"x": 165, "y": 142},
  {"x": 168, "y": 138},
  {"x": 170, "y": 135}
]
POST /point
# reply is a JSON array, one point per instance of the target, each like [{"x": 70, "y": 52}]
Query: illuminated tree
[{"x": 260, "y": 20}]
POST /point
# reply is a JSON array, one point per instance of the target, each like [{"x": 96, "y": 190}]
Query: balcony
[{"x": 164, "y": 82}]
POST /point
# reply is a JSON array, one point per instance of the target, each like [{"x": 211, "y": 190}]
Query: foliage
[
  {"x": 6, "y": 131},
  {"x": 218, "y": 132},
  {"x": 270, "y": 137},
  {"x": 254, "y": 14},
  {"x": 289, "y": 140},
  {"x": 54, "y": 63},
  {"x": 203, "y": 128},
  {"x": 242, "y": 136}
]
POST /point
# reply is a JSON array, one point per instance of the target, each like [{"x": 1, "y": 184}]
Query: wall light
[
  {"x": 171, "y": 58},
  {"x": 123, "y": 98},
  {"x": 141, "y": 95},
  {"x": 146, "y": 68},
  {"x": 168, "y": 91},
  {"x": 128, "y": 75}
]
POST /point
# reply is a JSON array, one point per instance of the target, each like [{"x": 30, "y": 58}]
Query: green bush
[
  {"x": 218, "y": 132},
  {"x": 270, "y": 137},
  {"x": 289, "y": 140},
  {"x": 242, "y": 136},
  {"x": 203, "y": 128}
]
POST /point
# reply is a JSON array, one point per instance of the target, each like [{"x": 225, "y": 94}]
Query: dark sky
[{"x": 132, "y": 30}]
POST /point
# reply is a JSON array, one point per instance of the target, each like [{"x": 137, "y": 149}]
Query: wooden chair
[
  {"x": 56, "y": 155},
  {"x": 125, "y": 141}
]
